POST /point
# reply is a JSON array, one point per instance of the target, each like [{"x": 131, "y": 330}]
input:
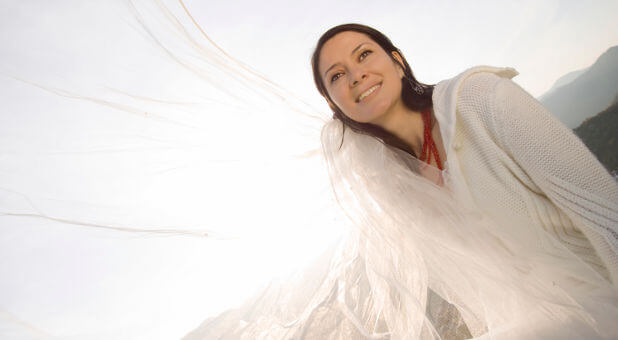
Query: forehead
[{"x": 340, "y": 46}]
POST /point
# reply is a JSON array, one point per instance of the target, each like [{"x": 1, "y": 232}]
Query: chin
[
  {"x": 376, "y": 115},
  {"x": 371, "y": 113}
]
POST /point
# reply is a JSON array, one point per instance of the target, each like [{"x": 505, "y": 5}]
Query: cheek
[
  {"x": 398, "y": 87},
  {"x": 338, "y": 95}
]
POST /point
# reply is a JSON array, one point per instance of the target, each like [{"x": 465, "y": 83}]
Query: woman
[
  {"x": 514, "y": 150},
  {"x": 477, "y": 214},
  {"x": 421, "y": 265},
  {"x": 500, "y": 150}
]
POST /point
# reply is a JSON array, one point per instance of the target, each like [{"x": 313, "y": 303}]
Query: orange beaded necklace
[{"x": 429, "y": 146}]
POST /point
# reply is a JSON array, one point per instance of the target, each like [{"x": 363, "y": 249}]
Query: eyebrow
[{"x": 353, "y": 51}]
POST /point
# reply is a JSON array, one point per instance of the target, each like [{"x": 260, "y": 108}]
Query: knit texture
[{"x": 516, "y": 158}]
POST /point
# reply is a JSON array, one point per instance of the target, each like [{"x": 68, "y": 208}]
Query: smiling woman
[
  {"x": 513, "y": 236},
  {"x": 504, "y": 157},
  {"x": 124, "y": 124},
  {"x": 374, "y": 66},
  {"x": 352, "y": 80}
]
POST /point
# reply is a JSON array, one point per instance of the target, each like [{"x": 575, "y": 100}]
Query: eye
[
  {"x": 364, "y": 55},
  {"x": 336, "y": 76}
]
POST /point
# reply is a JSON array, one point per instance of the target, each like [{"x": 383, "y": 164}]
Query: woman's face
[{"x": 360, "y": 77}]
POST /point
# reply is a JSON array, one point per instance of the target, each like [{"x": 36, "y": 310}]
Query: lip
[{"x": 371, "y": 94}]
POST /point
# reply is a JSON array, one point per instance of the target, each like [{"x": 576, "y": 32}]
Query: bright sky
[
  {"x": 543, "y": 40},
  {"x": 63, "y": 281}
]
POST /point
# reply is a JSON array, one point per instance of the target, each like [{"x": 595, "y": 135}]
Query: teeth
[{"x": 368, "y": 92}]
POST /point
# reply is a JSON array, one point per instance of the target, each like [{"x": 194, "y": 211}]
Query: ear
[{"x": 399, "y": 63}]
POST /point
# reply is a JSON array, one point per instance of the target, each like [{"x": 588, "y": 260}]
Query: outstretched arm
[{"x": 561, "y": 165}]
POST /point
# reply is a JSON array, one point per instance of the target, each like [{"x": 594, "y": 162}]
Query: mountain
[
  {"x": 590, "y": 91},
  {"x": 565, "y": 79},
  {"x": 600, "y": 134}
]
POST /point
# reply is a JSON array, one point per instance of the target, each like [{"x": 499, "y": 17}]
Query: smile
[{"x": 368, "y": 92}]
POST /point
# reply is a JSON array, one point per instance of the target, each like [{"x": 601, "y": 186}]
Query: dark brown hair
[{"x": 415, "y": 95}]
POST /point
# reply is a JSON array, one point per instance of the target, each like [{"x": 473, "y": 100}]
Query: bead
[{"x": 429, "y": 146}]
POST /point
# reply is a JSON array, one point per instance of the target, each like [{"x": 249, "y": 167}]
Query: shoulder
[
  {"x": 489, "y": 83},
  {"x": 478, "y": 88},
  {"x": 477, "y": 97},
  {"x": 485, "y": 102},
  {"x": 472, "y": 86},
  {"x": 480, "y": 81},
  {"x": 466, "y": 95},
  {"x": 474, "y": 75}
]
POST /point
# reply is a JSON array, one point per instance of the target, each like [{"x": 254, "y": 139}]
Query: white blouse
[{"x": 511, "y": 156}]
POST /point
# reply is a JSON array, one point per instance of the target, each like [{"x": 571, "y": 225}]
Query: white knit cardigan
[{"x": 508, "y": 153}]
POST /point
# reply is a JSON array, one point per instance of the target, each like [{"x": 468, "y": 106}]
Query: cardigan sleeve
[{"x": 560, "y": 165}]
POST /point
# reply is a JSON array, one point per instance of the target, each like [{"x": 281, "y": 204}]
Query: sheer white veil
[
  {"x": 149, "y": 179},
  {"x": 506, "y": 278},
  {"x": 422, "y": 264}
]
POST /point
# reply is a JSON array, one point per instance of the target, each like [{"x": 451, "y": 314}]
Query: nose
[{"x": 358, "y": 77}]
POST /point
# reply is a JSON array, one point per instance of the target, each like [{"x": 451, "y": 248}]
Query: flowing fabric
[
  {"x": 423, "y": 265},
  {"x": 153, "y": 152},
  {"x": 148, "y": 179},
  {"x": 507, "y": 278}
]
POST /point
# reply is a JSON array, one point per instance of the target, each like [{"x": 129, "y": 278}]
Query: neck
[{"x": 406, "y": 124}]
